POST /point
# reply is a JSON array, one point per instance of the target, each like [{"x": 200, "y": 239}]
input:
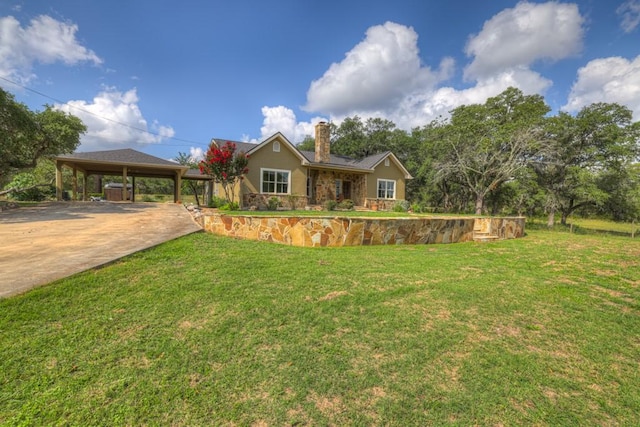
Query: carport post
[
  {"x": 58, "y": 180},
  {"x": 74, "y": 187},
  {"x": 84, "y": 186},
  {"x": 177, "y": 183},
  {"x": 125, "y": 189}
]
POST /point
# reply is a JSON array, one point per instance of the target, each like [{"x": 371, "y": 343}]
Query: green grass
[
  {"x": 605, "y": 225},
  {"x": 205, "y": 330}
]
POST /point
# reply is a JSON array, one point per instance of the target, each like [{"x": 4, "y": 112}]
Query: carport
[{"x": 125, "y": 163}]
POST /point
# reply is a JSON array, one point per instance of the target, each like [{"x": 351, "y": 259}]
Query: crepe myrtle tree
[{"x": 226, "y": 166}]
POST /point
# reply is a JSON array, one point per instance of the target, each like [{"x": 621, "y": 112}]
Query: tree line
[
  {"x": 505, "y": 156},
  {"x": 509, "y": 156}
]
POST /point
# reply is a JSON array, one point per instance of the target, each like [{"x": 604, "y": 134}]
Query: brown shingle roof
[{"x": 126, "y": 155}]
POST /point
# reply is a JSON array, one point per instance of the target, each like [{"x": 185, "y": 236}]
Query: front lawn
[{"x": 206, "y": 330}]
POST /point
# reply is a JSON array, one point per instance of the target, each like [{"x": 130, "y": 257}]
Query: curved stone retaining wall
[{"x": 354, "y": 231}]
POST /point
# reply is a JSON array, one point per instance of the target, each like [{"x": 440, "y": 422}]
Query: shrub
[
  {"x": 32, "y": 192},
  {"x": 230, "y": 206},
  {"x": 346, "y": 204},
  {"x": 217, "y": 202},
  {"x": 401, "y": 206},
  {"x": 273, "y": 203},
  {"x": 330, "y": 205}
]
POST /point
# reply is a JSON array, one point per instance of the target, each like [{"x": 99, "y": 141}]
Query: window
[
  {"x": 275, "y": 181},
  {"x": 276, "y": 146},
  {"x": 386, "y": 161},
  {"x": 338, "y": 188},
  {"x": 386, "y": 189}
]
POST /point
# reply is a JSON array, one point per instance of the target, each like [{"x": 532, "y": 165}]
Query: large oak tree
[
  {"x": 485, "y": 145},
  {"x": 27, "y": 136},
  {"x": 581, "y": 155}
]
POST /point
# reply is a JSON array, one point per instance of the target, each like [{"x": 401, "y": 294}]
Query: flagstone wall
[{"x": 351, "y": 231}]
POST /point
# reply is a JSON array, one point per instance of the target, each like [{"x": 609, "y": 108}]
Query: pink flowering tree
[{"x": 226, "y": 167}]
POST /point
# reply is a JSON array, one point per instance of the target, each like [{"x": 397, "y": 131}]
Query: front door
[{"x": 346, "y": 189}]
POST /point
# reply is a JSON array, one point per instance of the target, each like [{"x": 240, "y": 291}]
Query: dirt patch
[{"x": 333, "y": 295}]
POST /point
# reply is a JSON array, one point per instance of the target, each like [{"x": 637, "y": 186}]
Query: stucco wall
[
  {"x": 351, "y": 231},
  {"x": 391, "y": 172},
  {"x": 265, "y": 157}
]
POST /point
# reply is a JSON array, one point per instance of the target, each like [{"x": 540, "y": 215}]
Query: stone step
[{"x": 484, "y": 237}]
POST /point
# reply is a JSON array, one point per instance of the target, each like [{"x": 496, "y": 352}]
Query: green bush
[
  {"x": 217, "y": 202},
  {"x": 401, "y": 206},
  {"x": 36, "y": 194},
  {"x": 230, "y": 206},
  {"x": 330, "y": 205},
  {"x": 346, "y": 204},
  {"x": 273, "y": 203}
]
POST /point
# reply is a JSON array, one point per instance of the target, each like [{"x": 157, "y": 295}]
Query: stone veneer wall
[
  {"x": 352, "y": 231},
  {"x": 325, "y": 186}
]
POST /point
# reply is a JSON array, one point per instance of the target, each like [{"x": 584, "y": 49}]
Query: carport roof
[{"x": 112, "y": 161}]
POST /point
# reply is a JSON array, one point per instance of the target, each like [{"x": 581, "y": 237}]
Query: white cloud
[
  {"x": 196, "y": 154},
  {"x": 520, "y": 36},
  {"x": 282, "y": 119},
  {"x": 629, "y": 11},
  {"x": 612, "y": 79},
  {"x": 419, "y": 109},
  {"x": 376, "y": 73},
  {"x": 383, "y": 77},
  {"x": 114, "y": 120},
  {"x": 45, "y": 40}
]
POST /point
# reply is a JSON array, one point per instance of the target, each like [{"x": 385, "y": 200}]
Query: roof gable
[
  {"x": 375, "y": 161},
  {"x": 250, "y": 148}
]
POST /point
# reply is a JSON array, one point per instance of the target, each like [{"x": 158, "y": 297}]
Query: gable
[{"x": 389, "y": 160}]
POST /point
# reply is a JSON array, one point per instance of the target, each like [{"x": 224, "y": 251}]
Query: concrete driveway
[{"x": 50, "y": 241}]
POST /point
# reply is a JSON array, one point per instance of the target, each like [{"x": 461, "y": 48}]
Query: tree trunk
[
  {"x": 566, "y": 212},
  {"x": 479, "y": 204},
  {"x": 551, "y": 219}
]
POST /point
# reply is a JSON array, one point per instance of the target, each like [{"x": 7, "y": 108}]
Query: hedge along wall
[{"x": 354, "y": 231}]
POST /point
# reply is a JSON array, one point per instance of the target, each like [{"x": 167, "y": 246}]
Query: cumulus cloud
[
  {"x": 612, "y": 79},
  {"x": 629, "y": 11},
  {"x": 196, "y": 154},
  {"x": 380, "y": 70},
  {"x": 419, "y": 109},
  {"x": 45, "y": 40},
  {"x": 520, "y": 36},
  {"x": 383, "y": 75},
  {"x": 283, "y": 119},
  {"x": 114, "y": 120}
]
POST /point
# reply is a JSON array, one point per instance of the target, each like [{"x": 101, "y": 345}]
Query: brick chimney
[{"x": 322, "y": 142}]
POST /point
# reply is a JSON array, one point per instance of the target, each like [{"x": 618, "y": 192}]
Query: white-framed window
[
  {"x": 386, "y": 189},
  {"x": 275, "y": 181},
  {"x": 276, "y": 146},
  {"x": 338, "y": 188},
  {"x": 386, "y": 161}
]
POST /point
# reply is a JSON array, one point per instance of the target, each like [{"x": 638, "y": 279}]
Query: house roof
[
  {"x": 240, "y": 146},
  {"x": 366, "y": 164}
]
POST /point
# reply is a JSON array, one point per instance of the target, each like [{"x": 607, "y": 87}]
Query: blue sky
[{"x": 188, "y": 71}]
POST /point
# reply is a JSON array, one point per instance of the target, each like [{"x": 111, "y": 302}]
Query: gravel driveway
[{"x": 50, "y": 241}]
